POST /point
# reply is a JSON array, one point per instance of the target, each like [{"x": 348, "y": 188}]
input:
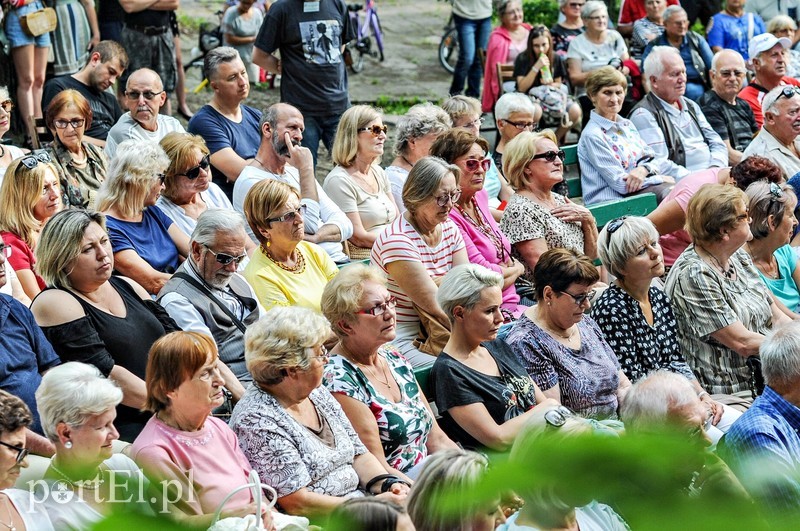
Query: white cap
[{"x": 766, "y": 41}]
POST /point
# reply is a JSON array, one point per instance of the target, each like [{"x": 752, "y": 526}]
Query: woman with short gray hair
[{"x": 481, "y": 390}]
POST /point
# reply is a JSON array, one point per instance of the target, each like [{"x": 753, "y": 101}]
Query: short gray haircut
[
  {"x": 71, "y": 393},
  {"x": 217, "y": 56},
  {"x": 654, "y": 400},
  {"x": 423, "y": 180},
  {"x": 672, "y": 10},
  {"x": 216, "y": 220},
  {"x": 593, "y": 6},
  {"x": 502, "y": 6},
  {"x": 512, "y": 102},
  {"x": 780, "y": 355},
  {"x": 763, "y": 204},
  {"x": 420, "y": 120},
  {"x": 270, "y": 116},
  {"x": 463, "y": 285},
  {"x": 617, "y": 248},
  {"x": 725, "y": 51},
  {"x": 771, "y": 97},
  {"x": 654, "y": 64}
]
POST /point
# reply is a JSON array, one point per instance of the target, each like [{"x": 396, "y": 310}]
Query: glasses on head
[
  {"x": 226, "y": 259},
  {"x": 380, "y": 309},
  {"x": 788, "y": 92},
  {"x": 7, "y": 105},
  {"x": 558, "y": 416},
  {"x": 550, "y": 156},
  {"x": 473, "y": 164},
  {"x": 22, "y": 453},
  {"x": 5, "y": 250},
  {"x": 148, "y": 94},
  {"x": 478, "y": 122},
  {"x": 31, "y": 161},
  {"x": 521, "y": 125},
  {"x": 76, "y": 123},
  {"x": 614, "y": 225},
  {"x": 376, "y": 130},
  {"x": 580, "y": 299},
  {"x": 194, "y": 173},
  {"x": 453, "y": 196},
  {"x": 289, "y": 216},
  {"x": 731, "y": 73}
]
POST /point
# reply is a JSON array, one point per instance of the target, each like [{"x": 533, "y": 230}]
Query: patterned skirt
[{"x": 71, "y": 37}]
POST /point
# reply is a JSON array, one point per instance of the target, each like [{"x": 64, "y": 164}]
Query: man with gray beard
[
  {"x": 208, "y": 296},
  {"x": 280, "y": 156}
]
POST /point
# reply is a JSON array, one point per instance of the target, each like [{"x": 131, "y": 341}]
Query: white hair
[{"x": 654, "y": 64}]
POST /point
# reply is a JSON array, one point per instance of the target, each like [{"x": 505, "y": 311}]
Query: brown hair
[
  {"x": 559, "y": 268},
  {"x": 63, "y": 100},
  {"x": 14, "y": 413},
  {"x": 456, "y": 143},
  {"x": 754, "y": 169},
  {"x": 263, "y": 201},
  {"x": 712, "y": 209}
]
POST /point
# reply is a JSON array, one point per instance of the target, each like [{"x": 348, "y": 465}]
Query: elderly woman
[
  {"x": 506, "y": 42},
  {"x": 292, "y": 430},
  {"x": 615, "y": 161},
  {"x": 486, "y": 245},
  {"x": 481, "y": 390},
  {"x": 358, "y": 184},
  {"x": 514, "y": 114},
  {"x": 148, "y": 246},
  {"x": 784, "y": 26},
  {"x": 285, "y": 270},
  {"x": 561, "y": 347},
  {"x": 182, "y": 446},
  {"x": 7, "y": 151},
  {"x": 722, "y": 307},
  {"x": 78, "y": 409},
  {"x": 414, "y": 133},
  {"x": 565, "y": 31},
  {"x": 419, "y": 247},
  {"x": 30, "y": 195},
  {"x": 81, "y": 165},
  {"x": 636, "y": 317},
  {"x": 91, "y": 316},
  {"x": 537, "y": 219},
  {"x": 369, "y": 378},
  {"x": 648, "y": 28}
]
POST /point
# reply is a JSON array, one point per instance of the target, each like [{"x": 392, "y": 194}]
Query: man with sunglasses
[
  {"x": 768, "y": 55},
  {"x": 144, "y": 96},
  {"x": 778, "y": 139},
  {"x": 280, "y": 156},
  {"x": 208, "y": 296}
]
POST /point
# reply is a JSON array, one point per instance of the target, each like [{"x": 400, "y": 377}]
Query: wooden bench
[
  {"x": 635, "y": 205},
  {"x": 572, "y": 171}
]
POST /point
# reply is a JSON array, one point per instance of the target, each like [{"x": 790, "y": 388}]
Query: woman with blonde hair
[{"x": 358, "y": 184}]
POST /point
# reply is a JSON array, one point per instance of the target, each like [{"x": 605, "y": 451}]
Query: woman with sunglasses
[
  {"x": 369, "y": 378},
  {"x": 615, "y": 161},
  {"x": 537, "y": 219},
  {"x": 506, "y": 42},
  {"x": 486, "y": 245},
  {"x": 285, "y": 270},
  {"x": 565, "y": 31},
  {"x": 358, "y": 184},
  {"x": 561, "y": 347},
  {"x": 81, "y": 165},
  {"x": 30, "y": 194},
  {"x": 148, "y": 245},
  {"x": 7, "y": 151}
]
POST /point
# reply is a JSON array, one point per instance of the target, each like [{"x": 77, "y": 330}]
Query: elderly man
[
  {"x": 729, "y": 115},
  {"x": 763, "y": 446},
  {"x": 778, "y": 139},
  {"x": 733, "y": 29},
  {"x": 768, "y": 57},
  {"x": 693, "y": 49},
  {"x": 280, "y": 156},
  {"x": 144, "y": 95},
  {"x": 673, "y": 125},
  {"x": 207, "y": 295},
  {"x": 229, "y": 127},
  {"x": 107, "y": 61}
]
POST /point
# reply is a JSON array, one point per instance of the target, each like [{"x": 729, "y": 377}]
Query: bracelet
[
  {"x": 371, "y": 483},
  {"x": 386, "y": 485},
  {"x": 701, "y": 394}
]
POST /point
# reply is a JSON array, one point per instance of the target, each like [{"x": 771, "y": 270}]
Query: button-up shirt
[{"x": 767, "y": 146}]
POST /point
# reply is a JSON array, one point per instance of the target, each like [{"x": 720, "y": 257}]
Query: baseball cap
[{"x": 766, "y": 41}]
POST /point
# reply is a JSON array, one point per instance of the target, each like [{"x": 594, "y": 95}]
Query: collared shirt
[
  {"x": 754, "y": 94},
  {"x": 685, "y": 49},
  {"x": 704, "y": 148},
  {"x": 763, "y": 450},
  {"x": 767, "y": 146},
  {"x": 129, "y": 129},
  {"x": 82, "y": 183}
]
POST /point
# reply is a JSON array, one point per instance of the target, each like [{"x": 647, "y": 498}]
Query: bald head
[
  {"x": 144, "y": 97},
  {"x": 727, "y": 74}
]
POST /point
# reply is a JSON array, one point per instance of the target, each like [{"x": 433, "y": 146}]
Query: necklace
[
  {"x": 552, "y": 330},
  {"x": 91, "y": 484},
  {"x": 10, "y": 526},
  {"x": 385, "y": 381},
  {"x": 482, "y": 224},
  {"x": 727, "y": 272},
  {"x": 297, "y": 269},
  {"x": 406, "y": 161}
]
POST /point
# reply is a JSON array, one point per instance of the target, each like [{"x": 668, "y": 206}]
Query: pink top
[
  {"x": 207, "y": 464},
  {"x": 21, "y": 256},
  {"x": 675, "y": 243},
  {"x": 497, "y": 51}
]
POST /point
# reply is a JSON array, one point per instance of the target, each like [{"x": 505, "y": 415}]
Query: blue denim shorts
[{"x": 16, "y": 36}]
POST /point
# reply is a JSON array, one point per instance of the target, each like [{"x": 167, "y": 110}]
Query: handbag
[
  {"x": 39, "y": 22},
  {"x": 432, "y": 335}
]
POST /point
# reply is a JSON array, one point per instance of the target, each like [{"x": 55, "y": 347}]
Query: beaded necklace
[
  {"x": 298, "y": 268},
  {"x": 483, "y": 226}
]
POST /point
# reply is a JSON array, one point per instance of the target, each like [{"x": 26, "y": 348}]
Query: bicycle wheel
[
  {"x": 356, "y": 62},
  {"x": 448, "y": 50},
  {"x": 377, "y": 32}
]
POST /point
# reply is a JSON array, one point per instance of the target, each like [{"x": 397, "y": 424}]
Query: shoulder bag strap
[{"x": 224, "y": 307}]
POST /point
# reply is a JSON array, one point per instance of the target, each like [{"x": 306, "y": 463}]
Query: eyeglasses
[
  {"x": 161, "y": 177},
  {"x": 558, "y": 416},
  {"x": 148, "y": 94},
  {"x": 22, "y": 453},
  {"x": 597, "y": 17},
  {"x": 580, "y": 299},
  {"x": 31, "y": 161},
  {"x": 731, "y": 73},
  {"x": 324, "y": 354},
  {"x": 289, "y": 216},
  {"x": 745, "y": 216},
  {"x": 452, "y": 196},
  {"x": 194, "y": 173},
  {"x": 226, "y": 259},
  {"x": 576, "y": 4},
  {"x": 614, "y": 225},
  {"x": 380, "y": 309},
  {"x": 474, "y": 123},
  {"x": 550, "y": 156},
  {"x": 7, "y": 105},
  {"x": 376, "y": 130},
  {"x": 76, "y": 123},
  {"x": 5, "y": 250},
  {"x": 521, "y": 125},
  {"x": 473, "y": 165}
]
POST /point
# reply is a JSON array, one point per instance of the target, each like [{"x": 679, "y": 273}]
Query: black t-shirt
[
  {"x": 733, "y": 122},
  {"x": 562, "y": 37},
  {"x": 523, "y": 64},
  {"x": 505, "y": 396},
  {"x": 110, "y": 11},
  {"x": 105, "y": 107},
  {"x": 148, "y": 17}
]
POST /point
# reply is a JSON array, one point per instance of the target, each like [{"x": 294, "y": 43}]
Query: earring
[
  {"x": 268, "y": 244},
  {"x": 68, "y": 445},
  {"x": 548, "y": 303}
]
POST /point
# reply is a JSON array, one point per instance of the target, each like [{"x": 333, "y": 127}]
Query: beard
[{"x": 280, "y": 147}]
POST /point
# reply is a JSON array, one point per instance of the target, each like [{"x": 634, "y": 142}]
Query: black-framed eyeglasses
[
  {"x": 614, "y": 225},
  {"x": 5, "y": 250},
  {"x": 376, "y": 130},
  {"x": 148, "y": 94},
  {"x": 22, "y": 453},
  {"x": 580, "y": 299},
  {"x": 31, "y": 161},
  {"x": 732, "y": 73},
  {"x": 558, "y": 416},
  {"x": 453, "y": 196},
  {"x": 226, "y": 259},
  {"x": 473, "y": 164},
  {"x": 76, "y": 123},
  {"x": 194, "y": 173},
  {"x": 290, "y": 216},
  {"x": 521, "y": 125},
  {"x": 550, "y": 156},
  {"x": 7, "y": 105},
  {"x": 161, "y": 177},
  {"x": 380, "y": 309}
]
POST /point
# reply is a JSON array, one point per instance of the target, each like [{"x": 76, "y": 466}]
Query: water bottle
[{"x": 546, "y": 75}]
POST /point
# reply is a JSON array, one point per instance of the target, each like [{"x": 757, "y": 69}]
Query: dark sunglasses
[
  {"x": 226, "y": 259},
  {"x": 31, "y": 161},
  {"x": 148, "y": 94},
  {"x": 76, "y": 123},
  {"x": 473, "y": 164},
  {"x": 376, "y": 130},
  {"x": 380, "y": 309},
  {"x": 557, "y": 417},
  {"x": 289, "y": 216},
  {"x": 614, "y": 225},
  {"x": 22, "y": 453},
  {"x": 550, "y": 156},
  {"x": 194, "y": 173},
  {"x": 7, "y": 105},
  {"x": 788, "y": 92}
]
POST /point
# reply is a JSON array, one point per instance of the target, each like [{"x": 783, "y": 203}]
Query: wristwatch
[{"x": 650, "y": 170}]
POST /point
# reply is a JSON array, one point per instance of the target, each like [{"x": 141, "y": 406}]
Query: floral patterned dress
[{"x": 403, "y": 426}]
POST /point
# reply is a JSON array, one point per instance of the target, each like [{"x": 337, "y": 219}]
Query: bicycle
[
  {"x": 367, "y": 29},
  {"x": 448, "y": 46},
  {"x": 210, "y": 37}
]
